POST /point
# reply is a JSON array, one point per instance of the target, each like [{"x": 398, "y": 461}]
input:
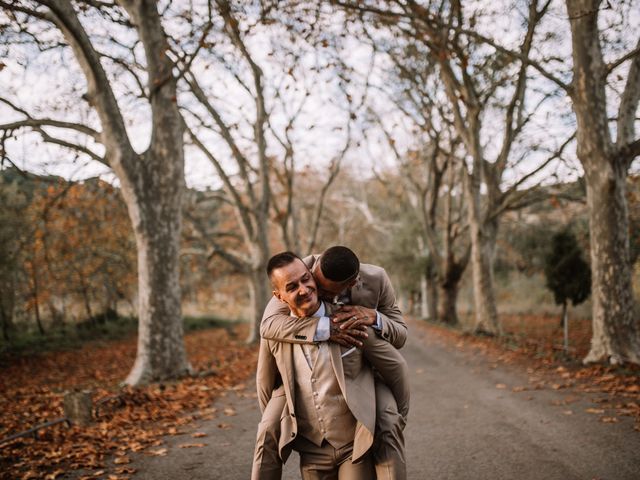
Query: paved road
[{"x": 460, "y": 427}]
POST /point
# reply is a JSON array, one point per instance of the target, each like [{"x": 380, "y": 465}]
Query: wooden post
[
  {"x": 565, "y": 323},
  {"x": 78, "y": 407}
]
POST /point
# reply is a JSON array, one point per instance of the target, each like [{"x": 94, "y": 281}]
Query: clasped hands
[{"x": 349, "y": 325}]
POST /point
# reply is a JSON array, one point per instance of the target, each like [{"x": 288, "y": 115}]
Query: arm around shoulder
[
  {"x": 394, "y": 328},
  {"x": 279, "y": 326}
]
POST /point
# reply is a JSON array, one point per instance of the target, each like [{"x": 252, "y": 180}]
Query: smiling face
[{"x": 295, "y": 286}]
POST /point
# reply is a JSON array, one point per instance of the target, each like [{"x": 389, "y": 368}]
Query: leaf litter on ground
[{"x": 126, "y": 419}]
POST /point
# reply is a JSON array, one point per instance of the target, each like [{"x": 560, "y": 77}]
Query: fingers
[
  {"x": 341, "y": 316},
  {"x": 348, "y": 309},
  {"x": 348, "y": 338},
  {"x": 353, "y": 323},
  {"x": 340, "y": 341}
]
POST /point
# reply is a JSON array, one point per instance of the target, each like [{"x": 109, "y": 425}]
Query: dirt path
[{"x": 461, "y": 426}]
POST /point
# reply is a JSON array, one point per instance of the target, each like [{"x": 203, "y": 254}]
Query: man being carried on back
[{"x": 366, "y": 299}]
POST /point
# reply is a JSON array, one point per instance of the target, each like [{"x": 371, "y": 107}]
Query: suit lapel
[
  {"x": 336, "y": 355},
  {"x": 287, "y": 365},
  {"x": 336, "y": 362}
]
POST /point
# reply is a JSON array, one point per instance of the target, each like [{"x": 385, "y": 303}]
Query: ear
[
  {"x": 276, "y": 294},
  {"x": 353, "y": 282}
]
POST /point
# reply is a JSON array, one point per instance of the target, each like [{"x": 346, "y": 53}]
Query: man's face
[
  {"x": 328, "y": 289},
  {"x": 295, "y": 286}
]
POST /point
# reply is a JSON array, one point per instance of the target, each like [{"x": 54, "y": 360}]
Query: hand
[
  {"x": 354, "y": 317},
  {"x": 347, "y": 337}
]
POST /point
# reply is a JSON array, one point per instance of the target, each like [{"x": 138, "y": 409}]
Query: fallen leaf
[
  {"x": 192, "y": 445},
  {"x": 597, "y": 411},
  {"x": 53, "y": 475},
  {"x": 161, "y": 452},
  {"x": 124, "y": 470},
  {"x": 609, "y": 420},
  {"x": 199, "y": 435},
  {"x": 122, "y": 460},
  {"x": 224, "y": 426},
  {"x": 568, "y": 412},
  {"x": 518, "y": 389},
  {"x": 230, "y": 412},
  {"x": 501, "y": 386}
]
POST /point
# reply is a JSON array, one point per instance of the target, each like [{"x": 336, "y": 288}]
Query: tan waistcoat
[{"x": 321, "y": 409}]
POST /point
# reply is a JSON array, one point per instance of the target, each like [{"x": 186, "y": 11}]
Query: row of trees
[
  {"x": 475, "y": 106},
  {"x": 459, "y": 75},
  {"x": 64, "y": 246}
]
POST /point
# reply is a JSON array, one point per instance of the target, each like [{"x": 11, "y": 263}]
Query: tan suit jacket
[
  {"x": 275, "y": 377},
  {"x": 372, "y": 290}
]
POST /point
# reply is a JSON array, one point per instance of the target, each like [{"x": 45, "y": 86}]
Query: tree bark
[
  {"x": 616, "y": 330},
  {"x": 260, "y": 295},
  {"x": 483, "y": 238},
  {"x": 447, "y": 312},
  {"x": 36, "y": 296}
]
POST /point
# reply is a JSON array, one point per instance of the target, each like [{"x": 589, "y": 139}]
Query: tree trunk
[
  {"x": 7, "y": 306},
  {"x": 87, "y": 303},
  {"x": 161, "y": 353},
  {"x": 260, "y": 295},
  {"x": 36, "y": 297},
  {"x": 565, "y": 328},
  {"x": 432, "y": 292},
  {"x": 483, "y": 238},
  {"x": 616, "y": 330},
  {"x": 447, "y": 312},
  {"x": 424, "y": 301},
  {"x": 6, "y": 322}
]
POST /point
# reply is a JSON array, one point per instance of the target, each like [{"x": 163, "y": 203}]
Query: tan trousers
[
  {"x": 388, "y": 441},
  {"x": 328, "y": 463},
  {"x": 267, "y": 464},
  {"x": 388, "y": 447}
]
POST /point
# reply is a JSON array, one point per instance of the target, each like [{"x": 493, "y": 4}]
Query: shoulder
[
  {"x": 372, "y": 271},
  {"x": 310, "y": 260}
]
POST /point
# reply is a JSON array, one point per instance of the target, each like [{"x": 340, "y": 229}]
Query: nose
[{"x": 303, "y": 290}]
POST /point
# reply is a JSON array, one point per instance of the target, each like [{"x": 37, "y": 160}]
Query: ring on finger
[{"x": 354, "y": 318}]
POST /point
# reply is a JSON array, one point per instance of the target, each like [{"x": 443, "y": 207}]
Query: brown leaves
[
  {"x": 127, "y": 420},
  {"x": 596, "y": 411},
  {"x": 160, "y": 452}
]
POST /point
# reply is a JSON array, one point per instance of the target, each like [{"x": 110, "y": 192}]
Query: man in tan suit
[
  {"x": 371, "y": 302},
  {"x": 324, "y": 391}
]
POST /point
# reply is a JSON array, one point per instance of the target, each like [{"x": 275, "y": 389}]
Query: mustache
[{"x": 303, "y": 298}]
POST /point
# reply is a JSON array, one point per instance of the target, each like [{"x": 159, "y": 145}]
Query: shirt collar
[{"x": 320, "y": 312}]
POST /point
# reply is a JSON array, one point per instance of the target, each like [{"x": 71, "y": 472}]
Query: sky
[{"x": 50, "y": 83}]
